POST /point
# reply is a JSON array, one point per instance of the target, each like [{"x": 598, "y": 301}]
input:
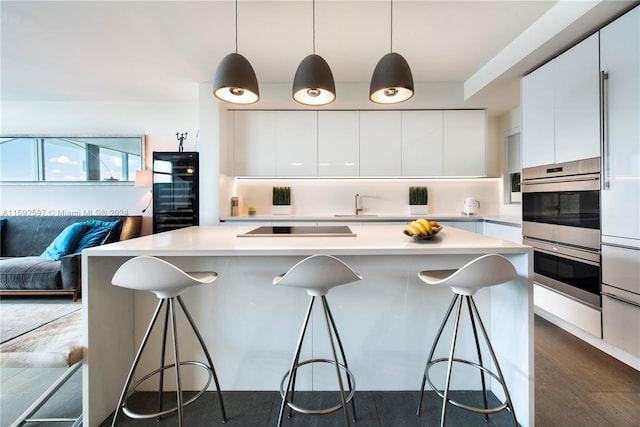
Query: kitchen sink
[{"x": 354, "y": 215}]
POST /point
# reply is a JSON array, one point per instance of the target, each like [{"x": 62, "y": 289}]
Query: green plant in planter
[
  {"x": 281, "y": 196},
  {"x": 418, "y": 195}
]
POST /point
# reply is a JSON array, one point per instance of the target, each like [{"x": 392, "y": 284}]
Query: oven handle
[
  {"x": 617, "y": 298},
  {"x": 560, "y": 180},
  {"x": 557, "y": 251},
  {"x": 604, "y": 127}
]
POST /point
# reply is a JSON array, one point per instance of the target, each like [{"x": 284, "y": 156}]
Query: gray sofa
[{"x": 24, "y": 238}]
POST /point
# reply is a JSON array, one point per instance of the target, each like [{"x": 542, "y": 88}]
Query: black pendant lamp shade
[
  {"x": 313, "y": 83},
  {"x": 235, "y": 81},
  {"x": 392, "y": 80}
]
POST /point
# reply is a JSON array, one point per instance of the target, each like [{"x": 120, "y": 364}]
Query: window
[
  {"x": 70, "y": 159},
  {"x": 512, "y": 193}
]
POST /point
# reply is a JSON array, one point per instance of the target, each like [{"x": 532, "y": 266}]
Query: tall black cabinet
[{"x": 175, "y": 190}]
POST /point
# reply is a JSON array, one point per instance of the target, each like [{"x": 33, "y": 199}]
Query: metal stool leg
[
  {"x": 206, "y": 352},
  {"x": 176, "y": 358},
  {"x": 296, "y": 357},
  {"x": 445, "y": 400},
  {"x": 495, "y": 360},
  {"x": 127, "y": 383},
  {"x": 162, "y": 360},
  {"x": 475, "y": 336},
  {"x": 335, "y": 358},
  {"x": 433, "y": 349},
  {"x": 344, "y": 359}
]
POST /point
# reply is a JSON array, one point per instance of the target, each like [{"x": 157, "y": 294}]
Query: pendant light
[
  {"x": 313, "y": 83},
  {"x": 235, "y": 81},
  {"x": 392, "y": 81}
]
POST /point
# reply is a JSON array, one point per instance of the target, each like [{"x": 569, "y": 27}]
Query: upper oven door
[{"x": 561, "y": 203}]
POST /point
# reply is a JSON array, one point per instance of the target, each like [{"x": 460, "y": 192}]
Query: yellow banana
[
  {"x": 426, "y": 225},
  {"x": 421, "y": 227},
  {"x": 412, "y": 229}
]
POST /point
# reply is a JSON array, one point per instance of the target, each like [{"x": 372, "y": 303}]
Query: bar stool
[
  {"x": 145, "y": 273},
  {"x": 487, "y": 270},
  {"x": 317, "y": 274}
]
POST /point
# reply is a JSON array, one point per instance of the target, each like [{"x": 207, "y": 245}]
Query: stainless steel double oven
[{"x": 561, "y": 220}]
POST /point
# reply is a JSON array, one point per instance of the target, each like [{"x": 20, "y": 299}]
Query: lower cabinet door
[{"x": 621, "y": 324}]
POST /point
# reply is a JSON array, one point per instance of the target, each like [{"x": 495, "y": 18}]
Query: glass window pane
[
  {"x": 64, "y": 160},
  {"x": 18, "y": 159}
]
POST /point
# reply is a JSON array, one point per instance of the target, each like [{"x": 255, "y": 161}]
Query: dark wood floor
[
  {"x": 575, "y": 385},
  {"x": 578, "y": 385}
]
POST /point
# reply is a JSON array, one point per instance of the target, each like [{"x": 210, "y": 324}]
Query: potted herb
[
  {"x": 418, "y": 200},
  {"x": 281, "y": 200}
]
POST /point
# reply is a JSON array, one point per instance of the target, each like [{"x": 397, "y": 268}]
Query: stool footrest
[
  {"x": 459, "y": 404},
  {"x": 323, "y": 411},
  {"x": 138, "y": 416}
]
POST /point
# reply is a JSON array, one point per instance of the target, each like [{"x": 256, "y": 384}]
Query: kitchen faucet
[{"x": 358, "y": 210}]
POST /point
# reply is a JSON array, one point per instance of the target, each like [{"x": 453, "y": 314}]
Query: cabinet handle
[
  {"x": 604, "y": 127},
  {"x": 617, "y": 298}
]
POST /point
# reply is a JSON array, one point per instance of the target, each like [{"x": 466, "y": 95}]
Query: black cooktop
[{"x": 300, "y": 230}]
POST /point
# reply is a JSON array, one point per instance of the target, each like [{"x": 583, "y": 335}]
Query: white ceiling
[{"x": 162, "y": 50}]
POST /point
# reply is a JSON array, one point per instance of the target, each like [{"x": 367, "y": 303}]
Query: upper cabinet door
[
  {"x": 577, "y": 102},
  {"x": 254, "y": 148},
  {"x": 538, "y": 138},
  {"x": 297, "y": 143},
  {"x": 380, "y": 143},
  {"x": 465, "y": 143},
  {"x": 422, "y": 143},
  {"x": 620, "y": 58},
  {"x": 338, "y": 143}
]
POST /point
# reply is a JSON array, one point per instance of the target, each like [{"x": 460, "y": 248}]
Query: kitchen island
[{"x": 387, "y": 321}]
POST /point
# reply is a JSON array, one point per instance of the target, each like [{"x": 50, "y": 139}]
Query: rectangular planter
[
  {"x": 418, "y": 209},
  {"x": 281, "y": 209}
]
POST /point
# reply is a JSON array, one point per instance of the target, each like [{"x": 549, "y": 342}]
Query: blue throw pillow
[
  {"x": 98, "y": 232},
  {"x": 66, "y": 242}
]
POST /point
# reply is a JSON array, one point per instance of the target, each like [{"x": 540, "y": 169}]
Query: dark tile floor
[{"x": 374, "y": 409}]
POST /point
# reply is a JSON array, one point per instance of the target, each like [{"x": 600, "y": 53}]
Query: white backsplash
[{"x": 319, "y": 197}]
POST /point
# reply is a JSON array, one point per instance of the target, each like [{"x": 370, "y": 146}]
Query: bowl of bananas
[{"x": 422, "y": 229}]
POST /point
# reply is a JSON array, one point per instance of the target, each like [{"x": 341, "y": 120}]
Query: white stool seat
[
  {"x": 484, "y": 271},
  {"x": 317, "y": 274},
  {"x": 146, "y": 273}
]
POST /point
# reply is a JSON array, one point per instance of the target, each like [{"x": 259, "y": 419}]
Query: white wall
[{"x": 159, "y": 121}]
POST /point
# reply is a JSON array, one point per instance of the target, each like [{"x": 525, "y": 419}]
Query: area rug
[
  {"x": 18, "y": 319},
  {"x": 57, "y": 344}
]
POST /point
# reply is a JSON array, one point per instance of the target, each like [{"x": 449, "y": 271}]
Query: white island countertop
[
  {"x": 370, "y": 239},
  {"x": 387, "y": 321}
]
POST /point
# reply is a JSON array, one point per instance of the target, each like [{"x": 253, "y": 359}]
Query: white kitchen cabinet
[
  {"x": 422, "y": 143},
  {"x": 464, "y": 133},
  {"x": 338, "y": 143},
  {"x": 577, "y": 102},
  {"x": 254, "y": 145},
  {"x": 297, "y": 143},
  {"x": 561, "y": 108},
  {"x": 380, "y": 143},
  {"x": 511, "y": 233},
  {"x": 621, "y": 298},
  {"x": 620, "y": 58},
  {"x": 538, "y": 141}
]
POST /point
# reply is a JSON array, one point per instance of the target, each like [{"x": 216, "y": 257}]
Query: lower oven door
[{"x": 570, "y": 271}]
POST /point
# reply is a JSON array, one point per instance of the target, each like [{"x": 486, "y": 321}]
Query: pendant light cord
[
  {"x": 391, "y": 14},
  {"x": 236, "y": 26},
  {"x": 314, "y": 26}
]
